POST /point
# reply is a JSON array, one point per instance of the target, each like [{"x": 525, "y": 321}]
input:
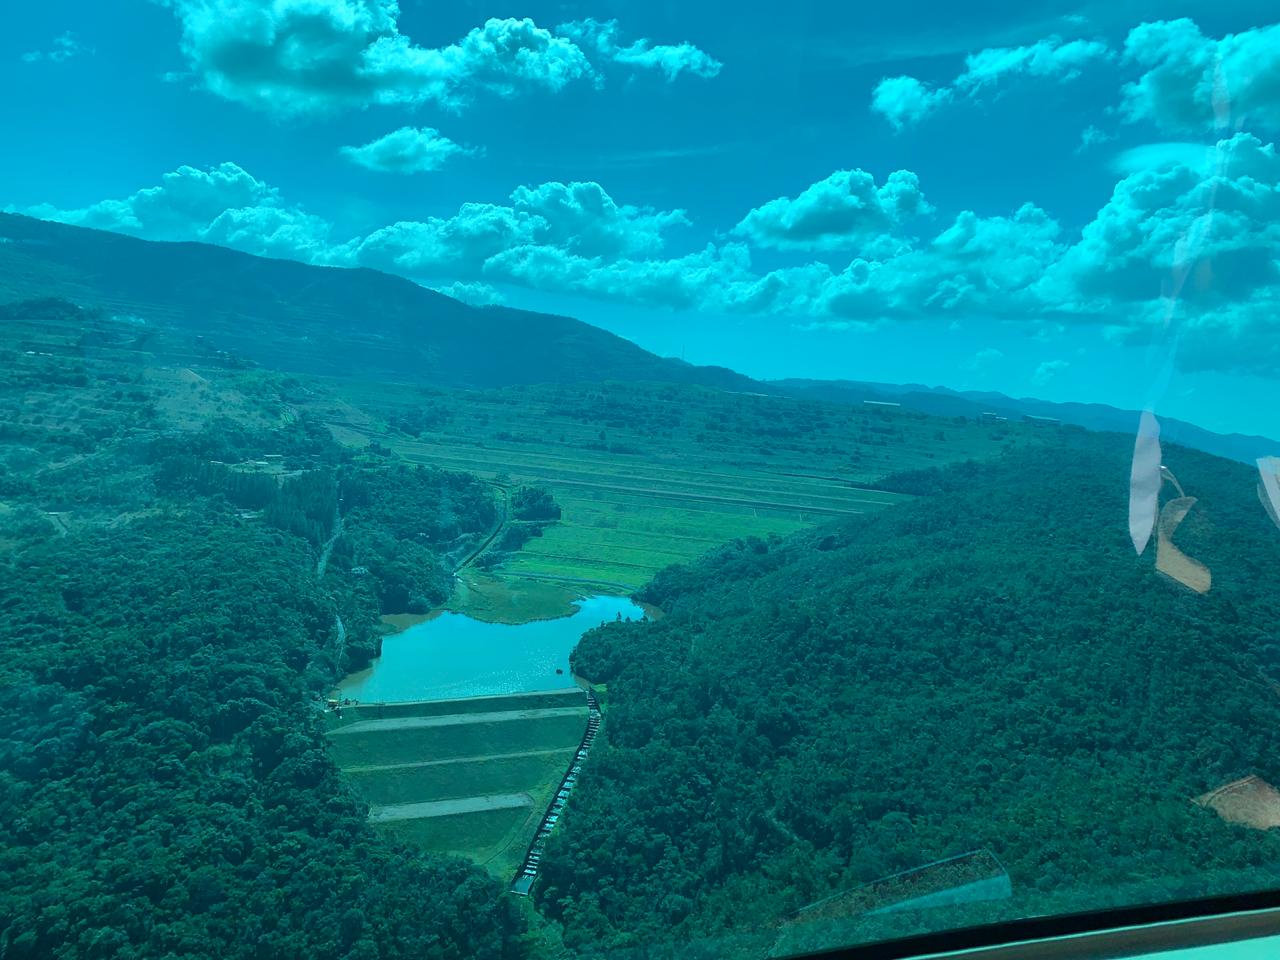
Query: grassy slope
[
  {"x": 462, "y": 778},
  {"x": 460, "y": 740},
  {"x": 392, "y": 766}
]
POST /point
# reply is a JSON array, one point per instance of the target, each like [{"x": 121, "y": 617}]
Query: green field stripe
[
  {"x": 553, "y": 578},
  {"x": 390, "y": 746},
  {"x": 691, "y": 516},
  {"x": 708, "y": 498},
  {"x": 610, "y": 561},
  {"x": 693, "y": 542},
  {"x": 467, "y": 705},
  {"x": 743, "y": 488},
  {"x": 633, "y": 574},
  {"x": 455, "y": 806},
  {"x": 608, "y": 497},
  {"x": 679, "y": 490},
  {"x": 476, "y": 835},
  {"x": 624, "y": 466},
  {"x": 449, "y": 779},
  {"x": 548, "y": 544},
  {"x": 386, "y": 767},
  {"x": 588, "y": 551}
]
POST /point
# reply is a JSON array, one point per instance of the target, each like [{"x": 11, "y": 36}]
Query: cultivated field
[
  {"x": 648, "y": 475},
  {"x": 469, "y": 777}
]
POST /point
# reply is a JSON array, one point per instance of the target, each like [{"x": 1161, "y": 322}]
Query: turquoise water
[{"x": 456, "y": 656}]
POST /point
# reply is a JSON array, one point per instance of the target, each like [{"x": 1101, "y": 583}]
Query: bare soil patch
[{"x": 1250, "y": 801}]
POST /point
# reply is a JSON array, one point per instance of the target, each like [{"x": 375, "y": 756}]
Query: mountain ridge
[
  {"x": 944, "y": 401},
  {"x": 316, "y": 319},
  {"x": 336, "y": 321}
]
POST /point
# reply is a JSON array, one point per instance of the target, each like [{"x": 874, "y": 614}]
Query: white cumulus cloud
[
  {"x": 299, "y": 56},
  {"x": 407, "y": 150},
  {"x": 1045, "y": 372},
  {"x": 1185, "y": 247},
  {"x": 1051, "y": 58},
  {"x": 905, "y": 101},
  {"x": 1192, "y": 83},
  {"x": 1162, "y": 222},
  {"x": 846, "y": 209},
  {"x": 224, "y": 204},
  {"x": 473, "y": 292}
]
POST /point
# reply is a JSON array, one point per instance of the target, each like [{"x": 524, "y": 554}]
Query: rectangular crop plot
[
  {"x": 436, "y": 708},
  {"x": 475, "y": 835},
  {"x": 370, "y": 746},
  {"x": 442, "y": 780}
]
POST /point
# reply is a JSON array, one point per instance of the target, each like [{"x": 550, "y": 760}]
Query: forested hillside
[
  {"x": 990, "y": 666},
  {"x": 208, "y": 302},
  {"x": 165, "y": 642},
  {"x": 164, "y": 782}
]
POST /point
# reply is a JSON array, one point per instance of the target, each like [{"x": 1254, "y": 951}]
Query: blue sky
[{"x": 1048, "y": 199}]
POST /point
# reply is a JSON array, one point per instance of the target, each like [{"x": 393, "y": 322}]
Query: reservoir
[{"x": 453, "y": 655}]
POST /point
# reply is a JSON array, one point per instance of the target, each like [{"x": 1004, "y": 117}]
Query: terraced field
[
  {"x": 468, "y": 777},
  {"x": 625, "y": 518},
  {"x": 649, "y": 475}
]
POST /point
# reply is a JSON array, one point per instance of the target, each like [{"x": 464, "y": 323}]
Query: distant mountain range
[
  {"x": 324, "y": 320},
  {"x": 362, "y": 323},
  {"x": 945, "y": 402}
]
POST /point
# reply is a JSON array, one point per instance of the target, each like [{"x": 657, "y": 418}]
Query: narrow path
[
  {"x": 59, "y": 524},
  {"x": 504, "y": 509},
  {"x": 445, "y": 808},
  {"x": 321, "y": 563},
  {"x": 328, "y": 544},
  {"x": 341, "y": 629}
]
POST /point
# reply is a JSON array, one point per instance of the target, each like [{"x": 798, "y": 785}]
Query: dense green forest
[
  {"x": 165, "y": 645},
  {"x": 165, "y": 784},
  {"x": 404, "y": 527},
  {"x": 990, "y": 666},
  {"x": 401, "y": 527}
]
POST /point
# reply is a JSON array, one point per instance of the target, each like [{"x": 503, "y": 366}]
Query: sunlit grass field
[
  {"x": 479, "y": 836},
  {"x": 650, "y": 475},
  {"x": 475, "y": 739},
  {"x": 461, "y": 778}
]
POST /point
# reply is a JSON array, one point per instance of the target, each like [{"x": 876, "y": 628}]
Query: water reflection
[{"x": 453, "y": 655}]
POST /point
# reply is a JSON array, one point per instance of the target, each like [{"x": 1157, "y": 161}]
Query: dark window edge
[{"x": 1124, "y": 931}]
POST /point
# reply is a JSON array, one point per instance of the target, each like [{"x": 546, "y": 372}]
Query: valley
[
  {"x": 654, "y": 474},
  {"x": 847, "y": 646}
]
